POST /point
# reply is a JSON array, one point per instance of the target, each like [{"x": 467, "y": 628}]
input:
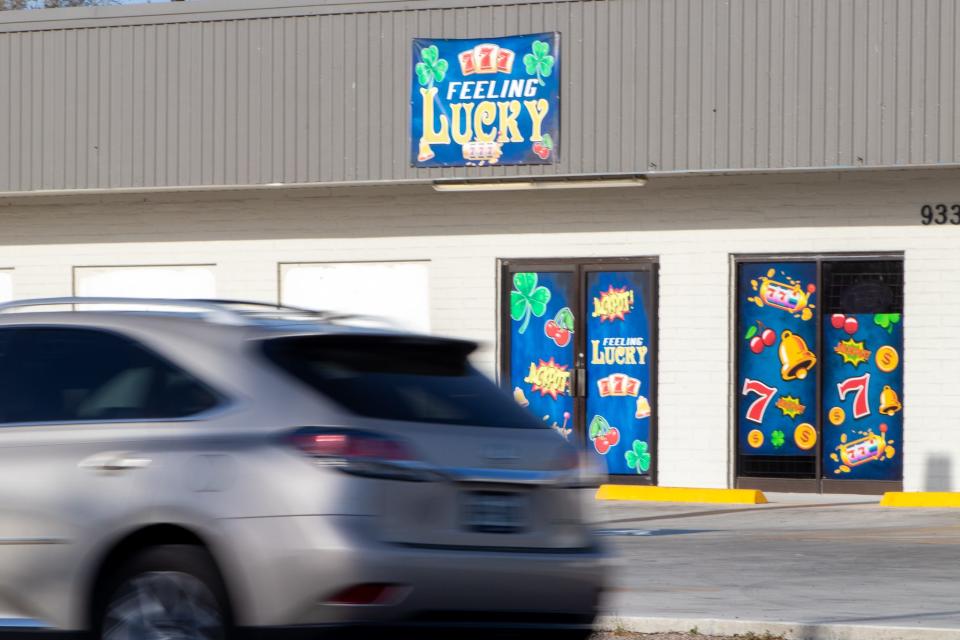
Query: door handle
[{"x": 114, "y": 461}]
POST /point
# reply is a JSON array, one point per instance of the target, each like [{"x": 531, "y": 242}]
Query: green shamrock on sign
[
  {"x": 639, "y": 457},
  {"x": 540, "y": 62},
  {"x": 777, "y": 439},
  {"x": 886, "y": 320},
  {"x": 527, "y": 299},
  {"x": 432, "y": 68}
]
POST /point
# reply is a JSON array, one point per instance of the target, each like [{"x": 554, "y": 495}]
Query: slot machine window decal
[
  {"x": 862, "y": 396},
  {"x": 542, "y": 326},
  {"x": 855, "y": 422},
  {"x": 777, "y": 355},
  {"x": 619, "y": 361}
]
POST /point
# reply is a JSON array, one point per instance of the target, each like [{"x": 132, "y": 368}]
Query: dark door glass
[{"x": 398, "y": 378}]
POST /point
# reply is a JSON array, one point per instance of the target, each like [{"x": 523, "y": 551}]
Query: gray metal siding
[{"x": 321, "y": 93}]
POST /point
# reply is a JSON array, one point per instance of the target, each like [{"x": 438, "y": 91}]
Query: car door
[{"x": 65, "y": 469}]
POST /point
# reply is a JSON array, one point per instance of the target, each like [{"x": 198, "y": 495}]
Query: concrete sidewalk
[{"x": 826, "y": 566}]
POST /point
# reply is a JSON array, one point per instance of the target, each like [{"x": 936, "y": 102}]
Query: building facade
[{"x": 735, "y": 265}]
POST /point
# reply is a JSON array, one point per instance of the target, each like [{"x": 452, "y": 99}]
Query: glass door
[
  {"x": 620, "y": 365},
  {"x": 578, "y": 348}
]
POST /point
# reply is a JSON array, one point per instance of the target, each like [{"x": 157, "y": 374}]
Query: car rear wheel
[{"x": 165, "y": 593}]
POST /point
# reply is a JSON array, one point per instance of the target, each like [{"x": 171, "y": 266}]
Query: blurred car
[{"x": 192, "y": 468}]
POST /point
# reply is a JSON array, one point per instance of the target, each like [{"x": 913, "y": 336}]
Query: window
[
  {"x": 819, "y": 389},
  {"x": 395, "y": 291},
  {"x": 175, "y": 281},
  {"x": 6, "y": 285},
  {"x": 399, "y": 378},
  {"x": 65, "y": 374}
]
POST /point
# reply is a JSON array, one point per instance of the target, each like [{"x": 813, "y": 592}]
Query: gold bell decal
[
  {"x": 889, "y": 401},
  {"x": 795, "y": 356}
]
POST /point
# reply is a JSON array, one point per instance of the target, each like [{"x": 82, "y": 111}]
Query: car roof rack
[
  {"x": 217, "y": 312},
  {"x": 222, "y": 311}
]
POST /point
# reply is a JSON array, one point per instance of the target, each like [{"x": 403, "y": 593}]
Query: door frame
[
  {"x": 580, "y": 267},
  {"x": 817, "y": 484}
]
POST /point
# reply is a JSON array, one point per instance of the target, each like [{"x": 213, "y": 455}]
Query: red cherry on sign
[
  {"x": 613, "y": 436},
  {"x": 769, "y": 336},
  {"x": 551, "y": 329},
  {"x": 851, "y": 325},
  {"x": 601, "y": 444},
  {"x": 562, "y": 337},
  {"x": 837, "y": 320},
  {"x": 756, "y": 344},
  {"x": 537, "y": 148}
]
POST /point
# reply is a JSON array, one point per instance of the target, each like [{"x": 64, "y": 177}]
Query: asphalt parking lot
[{"x": 809, "y": 560}]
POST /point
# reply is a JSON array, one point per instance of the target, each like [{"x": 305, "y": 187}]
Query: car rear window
[{"x": 399, "y": 378}]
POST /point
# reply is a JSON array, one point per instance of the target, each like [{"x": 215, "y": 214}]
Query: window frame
[
  {"x": 224, "y": 403},
  {"x": 818, "y": 484}
]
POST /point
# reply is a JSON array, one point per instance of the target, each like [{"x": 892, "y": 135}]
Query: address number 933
[{"x": 940, "y": 214}]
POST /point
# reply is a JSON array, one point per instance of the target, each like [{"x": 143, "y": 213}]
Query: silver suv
[{"x": 191, "y": 469}]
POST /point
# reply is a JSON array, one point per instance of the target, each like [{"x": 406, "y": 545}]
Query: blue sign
[
  {"x": 862, "y": 396},
  {"x": 620, "y": 357},
  {"x": 542, "y": 327},
  {"x": 777, "y": 336},
  {"x": 485, "y": 102}
]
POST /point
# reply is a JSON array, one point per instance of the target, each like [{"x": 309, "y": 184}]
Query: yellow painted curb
[
  {"x": 921, "y": 499},
  {"x": 680, "y": 494}
]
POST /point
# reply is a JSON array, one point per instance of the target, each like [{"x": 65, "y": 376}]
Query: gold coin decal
[
  {"x": 837, "y": 415},
  {"x": 887, "y": 358},
  {"x": 805, "y": 436},
  {"x": 755, "y": 438}
]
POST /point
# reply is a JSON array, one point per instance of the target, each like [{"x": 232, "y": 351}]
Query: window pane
[
  {"x": 407, "y": 379},
  {"x": 395, "y": 291},
  {"x": 6, "y": 285},
  {"x": 60, "y": 375},
  {"x": 183, "y": 281}
]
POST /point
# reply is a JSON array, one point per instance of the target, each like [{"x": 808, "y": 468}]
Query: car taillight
[
  {"x": 367, "y": 594},
  {"x": 350, "y": 445},
  {"x": 358, "y": 452}
]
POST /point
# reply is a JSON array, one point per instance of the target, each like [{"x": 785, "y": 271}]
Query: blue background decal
[
  {"x": 776, "y": 338},
  {"x": 619, "y": 358},
  {"x": 859, "y": 448},
  {"x": 547, "y": 337}
]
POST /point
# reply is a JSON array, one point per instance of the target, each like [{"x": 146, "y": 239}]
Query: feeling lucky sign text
[{"x": 492, "y": 101}]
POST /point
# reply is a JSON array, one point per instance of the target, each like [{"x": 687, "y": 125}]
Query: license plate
[{"x": 494, "y": 512}]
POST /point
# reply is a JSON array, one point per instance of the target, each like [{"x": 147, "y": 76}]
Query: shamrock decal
[
  {"x": 527, "y": 299},
  {"x": 777, "y": 439},
  {"x": 540, "y": 62},
  {"x": 432, "y": 68},
  {"x": 886, "y": 320},
  {"x": 639, "y": 457}
]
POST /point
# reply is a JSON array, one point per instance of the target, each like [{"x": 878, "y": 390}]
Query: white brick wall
[{"x": 694, "y": 225}]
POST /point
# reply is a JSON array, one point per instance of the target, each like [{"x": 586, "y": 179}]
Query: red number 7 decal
[
  {"x": 861, "y": 401},
  {"x": 759, "y": 406}
]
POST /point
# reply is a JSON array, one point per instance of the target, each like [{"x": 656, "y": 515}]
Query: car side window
[{"x": 54, "y": 374}]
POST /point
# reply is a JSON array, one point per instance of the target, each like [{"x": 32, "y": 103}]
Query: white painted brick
[{"x": 693, "y": 225}]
